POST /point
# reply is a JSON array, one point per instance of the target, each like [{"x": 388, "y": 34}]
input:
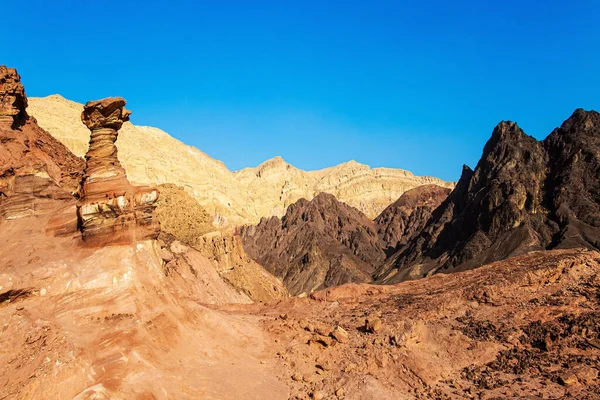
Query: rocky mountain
[
  {"x": 405, "y": 218},
  {"x": 151, "y": 156},
  {"x": 318, "y": 243},
  {"x": 146, "y": 319},
  {"x": 523, "y": 195}
]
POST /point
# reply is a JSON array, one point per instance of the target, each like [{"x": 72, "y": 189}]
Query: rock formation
[
  {"x": 317, "y": 244},
  {"x": 13, "y": 101},
  {"x": 151, "y": 156},
  {"x": 112, "y": 210},
  {"x": 38, "y": 174},
  {"x": 523, "y": 195},
  {"x": 406, "y": 217}
]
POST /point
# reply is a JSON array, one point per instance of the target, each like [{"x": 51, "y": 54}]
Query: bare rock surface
[
  {"x": 151, "y": 156},
  {"x": 317, "y": 244},
  {"x": 111, "y": 209},
  {"x": 38, "y": 174},
  {"x": 523, "y": 195},
  {"x": 405, "y": 218},
  {"x": 182, "y": 219}
]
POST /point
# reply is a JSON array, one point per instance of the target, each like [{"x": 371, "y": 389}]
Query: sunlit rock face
[
  {"x": 112, "y": 210},
  {"x": 38, "y": 174},
  {"x": 13, "y": 101}
]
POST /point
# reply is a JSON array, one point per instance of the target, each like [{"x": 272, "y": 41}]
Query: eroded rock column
[{"x": 112, "y": 210}]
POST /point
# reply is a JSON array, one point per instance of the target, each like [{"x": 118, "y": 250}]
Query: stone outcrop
[
  {"x": 112, "y": 210},
  {"x": 523, "y": 195},
  {"x": 13, "y": 101},
  {"x": 151, "y": 156},
  {"x": 318, "y": 243},
  {"x": 38, "y": 174}
]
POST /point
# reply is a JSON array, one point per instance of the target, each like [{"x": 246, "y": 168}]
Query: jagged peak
[{"x": 580, "y": 120}]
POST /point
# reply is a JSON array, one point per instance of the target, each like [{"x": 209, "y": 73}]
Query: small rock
[
  {"x": 317, "y": 395},
  {"x": 340, "y": 334},
  {"x": 568, "y": 379},
  {"x": 324, "y": 365},
  {"x": 166, "y": 255},
  {"x": 339, "y": 392},
  {"x": 373, "y": 324},
  {"x": 322, "y": 330},
  {"x": 324, "y": 341},
  {"x": 297, "y": 377}
]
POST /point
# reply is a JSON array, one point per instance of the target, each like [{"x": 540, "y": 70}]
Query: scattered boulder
[
  {"x": 340, "y": 334},
  {"x": 373, "y": 324}
]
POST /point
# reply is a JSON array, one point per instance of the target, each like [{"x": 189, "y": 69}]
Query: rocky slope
[
  {"x": 151, "y": 320},
  {"x": 39, "y": 176},
  {"x": 523, "y": 195},
  {"x": 405, "y": 218},
  {"x": 151, "y": 156},
  {"x": 317, "y": 243},
  {"x": 185, "y": 221}
]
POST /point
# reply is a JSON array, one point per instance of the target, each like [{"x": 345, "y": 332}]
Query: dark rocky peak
[
  {"x": 316, "y": 244},
  {"x": 509, "y": 149}
]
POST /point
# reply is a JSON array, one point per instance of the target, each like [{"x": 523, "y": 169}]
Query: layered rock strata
[
  {"x": 38, "y": 174},
  {"x": 13, "y": 101},
  {"x": 112, "y": 210}
]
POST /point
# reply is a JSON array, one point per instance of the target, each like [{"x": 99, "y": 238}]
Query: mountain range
[
  {"x": 151, "y": 156},
  {"x": 110, "y": 290}
]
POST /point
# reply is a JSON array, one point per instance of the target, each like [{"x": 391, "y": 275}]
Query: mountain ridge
[{"x": 152, "y": 156}]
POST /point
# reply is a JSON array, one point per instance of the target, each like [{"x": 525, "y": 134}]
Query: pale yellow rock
[{"x": 151, "y": 156}]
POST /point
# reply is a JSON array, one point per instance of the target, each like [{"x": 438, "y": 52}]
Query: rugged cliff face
[
  {"x": 405, "y": 218},
  {"x": 38, "y": 174},
  {"x": 318, "y": 243},
  {"x": 523, "y": 195}
]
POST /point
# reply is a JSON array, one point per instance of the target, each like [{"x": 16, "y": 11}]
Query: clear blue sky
[{"x": 409, "y": 84}]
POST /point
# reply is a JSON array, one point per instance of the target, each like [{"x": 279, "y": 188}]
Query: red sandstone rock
[
  {"x": 112, "y": 210},
  {"x": 36, "y": 170},
  {"x": 13, "y": 101}
]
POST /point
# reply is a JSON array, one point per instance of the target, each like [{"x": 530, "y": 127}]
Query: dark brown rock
[
  {"x": 524, "y": 195},
  {"x": 38, "y": 174},
  {"x": 317, "y": 244},
  {"x": 406, "y": 217}
]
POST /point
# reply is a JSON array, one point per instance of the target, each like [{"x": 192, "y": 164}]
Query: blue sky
[{"x": 418, "y": 85}]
